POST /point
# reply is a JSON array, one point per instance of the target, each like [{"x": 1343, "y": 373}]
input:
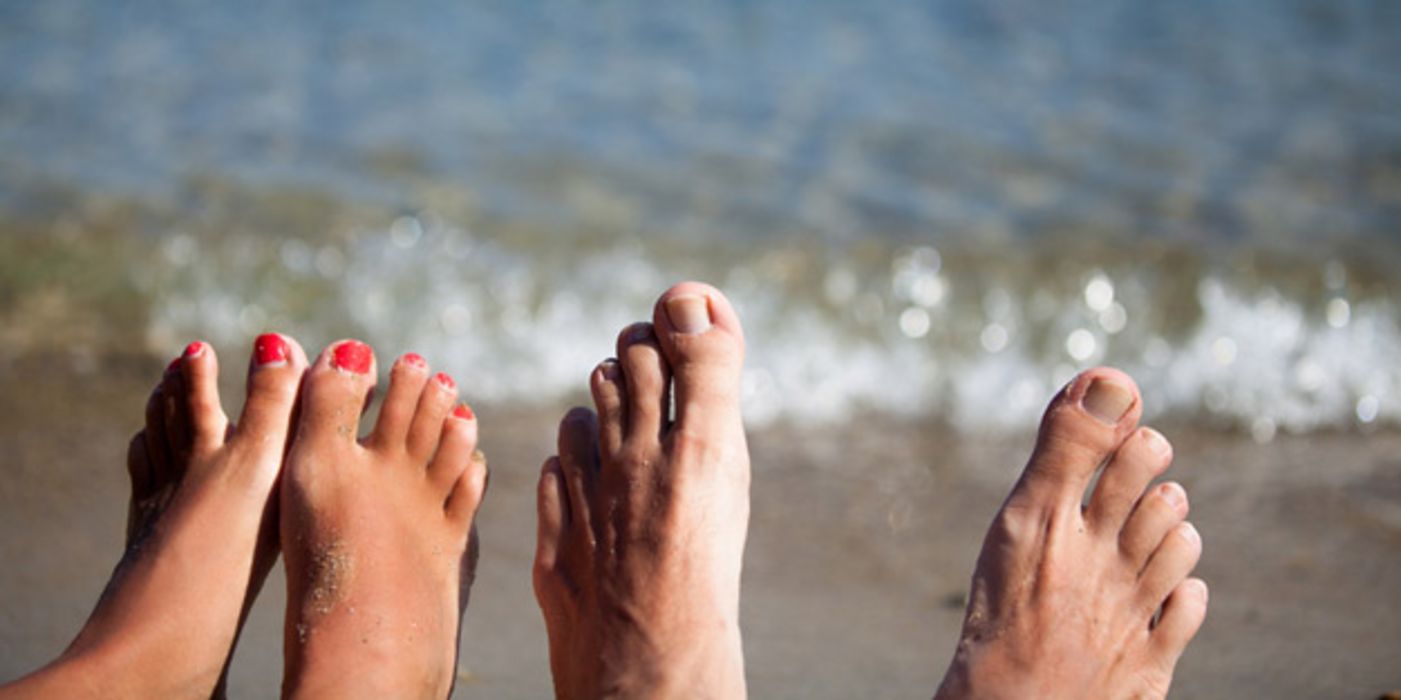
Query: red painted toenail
[
  {"x": 463, "y": 411},
  {"x": 352, "y": 356},
  {"x": 270, "y": 348},
  {"x": 414, "y": 359},
  {"x": 193, "y": 349},
  {"x": 174, "y": 364},
  {"x": 446, "y": 381}
]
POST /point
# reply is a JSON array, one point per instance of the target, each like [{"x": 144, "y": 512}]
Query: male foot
[
  {"x": 376, "y": 532},
  {"x": 1092, "y": 602},
  {"x": 642, "y": 518},
  {"x": 201, "y": 535}
]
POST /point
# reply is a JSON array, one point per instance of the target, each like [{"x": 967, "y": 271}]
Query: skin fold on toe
[
  {"x": 377, "y": 532},
  {"x": 1084, "y": 602},
  {"x": 643, "y": 514},
  {"x": 201, "y": 535}
]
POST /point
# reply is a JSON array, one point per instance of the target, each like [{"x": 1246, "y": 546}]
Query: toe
[
  {"x": 160, "y": 466},
  {"x": 459, "y": 442},
  {"x": 406, "y": 380},
  {"x": 1182, "y": 616},
  {"x": 552, "y": 517},
  {"x": 435, "y": 402},
  {"x": 1160, "y": 510},
  {"x": 646, "y": 381},
  {"x": 468, "y": 490},
  {"x": 578, "y": 458},
  {"x": 606, "y": 384},
  {"x": 139, "y": 467},
  {"x": 335, "y": 392},
  {"x": 203, "y": 414},
  {"x": 1144, "y": 456},
  {"x": 1169, "y": 566},
  {"x": 700, "y": 334},
  {"x": 1084, "y": 424},
  {"x": 274, "y": 375}
]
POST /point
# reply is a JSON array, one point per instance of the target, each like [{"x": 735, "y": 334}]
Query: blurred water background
[{"x": 938, "y": 210}]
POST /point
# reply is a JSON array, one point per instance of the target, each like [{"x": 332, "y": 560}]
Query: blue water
[{"x": 917, "y": 206}]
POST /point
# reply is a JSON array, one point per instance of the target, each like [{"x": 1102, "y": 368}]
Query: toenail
[
  {"x": 1189, "y": 533},
  {"x": 352, "y": 356},
  {"x": 1172, "y": 495},
  {"x": 193, "y": 349},
  {"x": 414, "y": 359},
  {"x": 1156, "y": 442},
  {"x": 444, "y": 380},
  {"x": 609, "y": 370},
  {"x": 464, "y": 412},
  {"x": 1198, "y": 588},
  {"x": 1107, "y": 401},
  {"x": 269, "y": 349},
  {"x": 639, "y": 332},
  {"x": 175, "y": 363},
  {"x": 689, "y": 313}
]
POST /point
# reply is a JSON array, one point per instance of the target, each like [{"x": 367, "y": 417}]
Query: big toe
[
  {"x": 335, "y": 393},
  {"x": 703, "y": 342},
  {"x": 274, "y": 374},
  {"x": 1085, "y": 423}
]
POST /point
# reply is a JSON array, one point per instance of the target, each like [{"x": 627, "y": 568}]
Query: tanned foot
[
  {"x": 642, "y": 517},
  {"x": 377, "y": 533},
  {"x": 1084, "y": 602},
  {"x": 201, "y": 535}
]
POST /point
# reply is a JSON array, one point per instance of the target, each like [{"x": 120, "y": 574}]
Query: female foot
[
  {"x": 376, "y": 531},
  {"x": 201, "y": 535},
  {"x": 642, "y": 518},
  {"x": 1092, "y": 602}
]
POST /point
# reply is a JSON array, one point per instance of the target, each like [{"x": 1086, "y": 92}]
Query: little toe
[
  {"x": 274, "y": 375},
  {"x": 468, "y": 491},
  {"x": 579, "y": 462},
  {"x": 1144, "y": 456},
  {"x": 435, "y": 402},
  {"x": 552, "y": 522},
  {"x": 139, "y": 467},
  {"x": 455, "y": 450},
  {"x": 1183, "y": 613},
  {"x": 203, "y": 413},
  {"x": 334, "y": 393},
  {"x": 1169, "y": 566},
  {"x": 606, "y": 385},
  {"x": 646, "y": 381},
  {"x": 1083, "y": 425},
  {"x": 1157, "y": 513},
  {"x": 406, "y": 380},
  {"x": 701, "y": 337}
]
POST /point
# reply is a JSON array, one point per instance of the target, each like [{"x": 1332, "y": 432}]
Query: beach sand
[{"x": 862, "y": 539}]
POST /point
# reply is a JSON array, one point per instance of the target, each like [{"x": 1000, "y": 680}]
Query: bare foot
[
  {"x": 201, "y": 535},
  {"x": 376, "y": 532},
  {"x": 643, "y": 518},
  {"x": 1092, "y": 602}
]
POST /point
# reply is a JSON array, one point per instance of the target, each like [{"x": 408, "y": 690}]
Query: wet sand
[{"x": 859, "y": 554}]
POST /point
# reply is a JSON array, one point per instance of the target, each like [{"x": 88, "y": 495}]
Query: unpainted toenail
[
  {"x": 1107, "y": 401},
  {"x": 1189, "y": 533},
  {"x": 1156, "y": 442},
  {"x": 1173, "y": 495},
  {"x": 689, "y": 313},
  {"x": 609, "y": 370}
]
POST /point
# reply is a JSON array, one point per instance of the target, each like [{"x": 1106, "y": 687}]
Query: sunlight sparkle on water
[
  {"x": 1099, "y": 292},
  {"x": 1080, "y": 344},
  {"x": 1339, "y": 313},
  {"x": 993, "y": 337},
  {"x": 1367, "y": 408},
  {"x": 914, "y": 322}
]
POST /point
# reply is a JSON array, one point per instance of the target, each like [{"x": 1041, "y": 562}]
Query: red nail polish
[
  {"x": 414, "y": 359},
  {"x": 193, "y": 349},
  {"x": 174, "y": 364},
  {"x": 352, "y": 356},
  {"x": 443, "y": 379},
  {"x": 270, "y": 348},
  {"x": 463, "y": 411}
]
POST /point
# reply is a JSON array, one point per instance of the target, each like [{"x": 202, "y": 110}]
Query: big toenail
[
  {"x": 444, "y": 380},
  {"x": 689, "y": 313},
  {"x": 1107, "y": 401},
  {"x": 414, "y": 359},
  {"x": 193, "y": 349},
  {"x": 270, "y": 348},
  {"x": 463, "y": 411},
  {"x": 352, "y": 356}
]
